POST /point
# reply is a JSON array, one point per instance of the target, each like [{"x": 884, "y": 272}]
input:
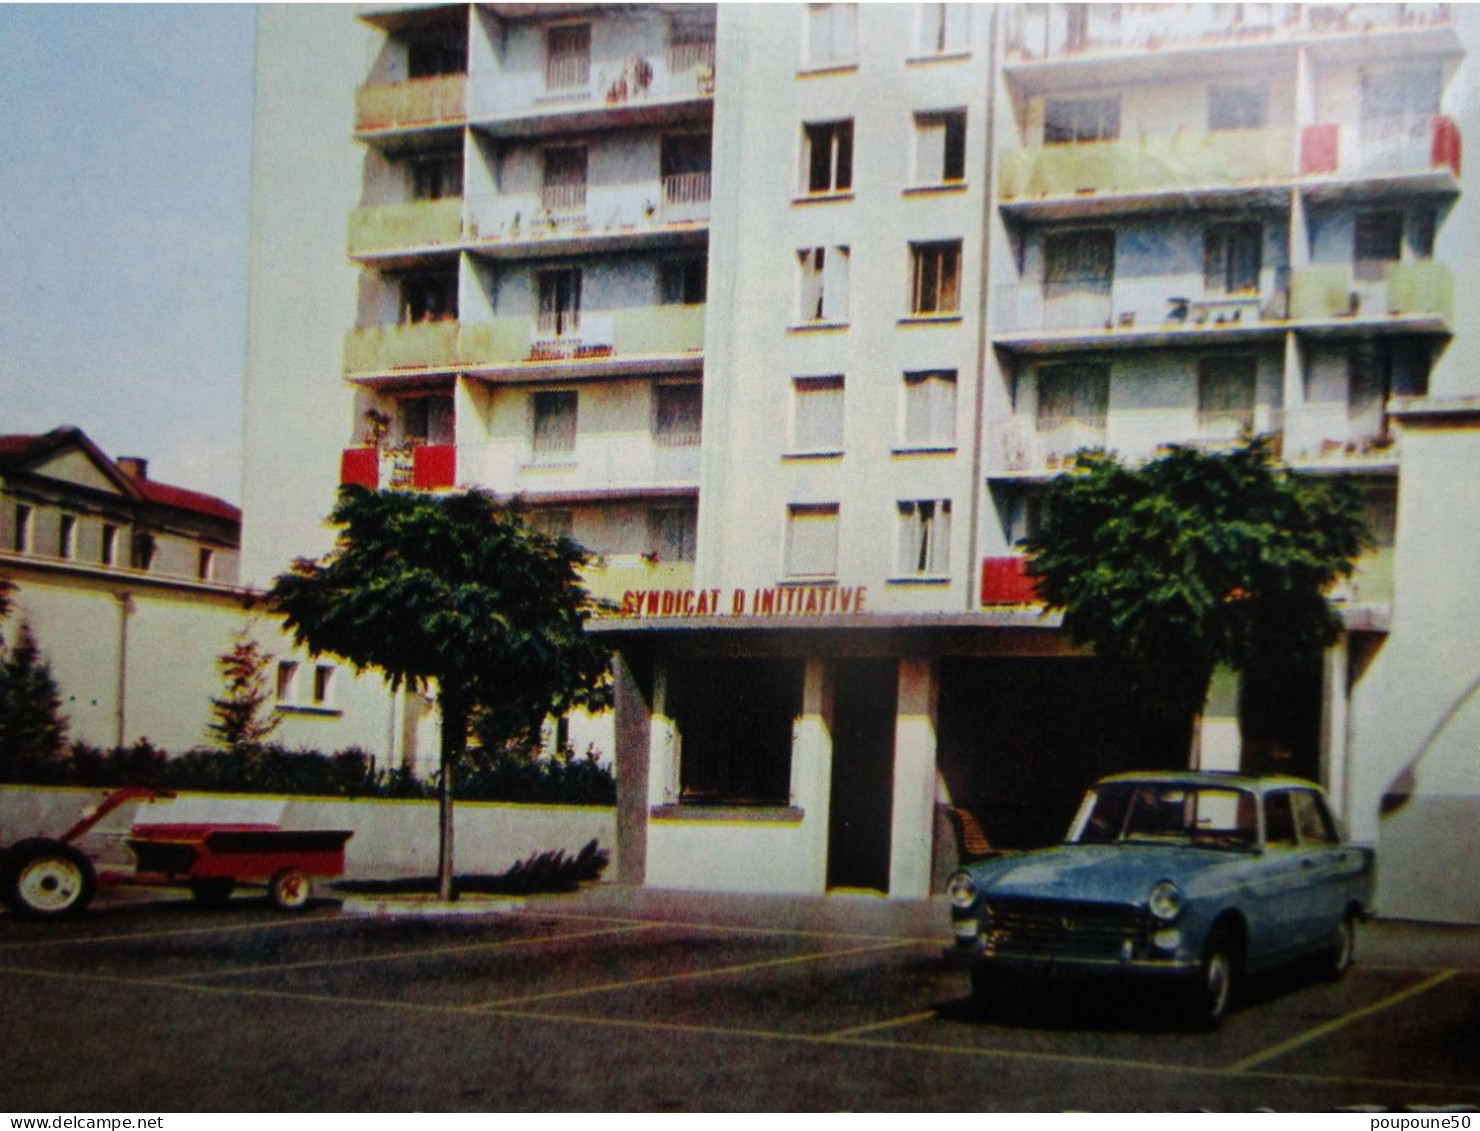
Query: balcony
[
  {"x": 1155, "y": 168},
  {"x": 1005, "y": 581},
  {"x": 1334, "y": 437},
  {"x": 1426, "y": 151},
  {"x": 1421, "y": 292},
  {"x": 620, "y": 574},
  {"x": 418, "y": 104},
  {"x": 514, "y": 347},
  {"x": 419, "y": 467},
  {"x": 599, "y": 464},
  {"x": 578, "y": 218},
  {"x": 375, "y": 232}
]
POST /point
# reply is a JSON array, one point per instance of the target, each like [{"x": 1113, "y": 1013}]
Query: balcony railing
[
  {"x": 1405, "y": 290},
  {"x": 421, "y": 102},
  {"x": 393, "y": 227},
  {"x": 1155, "y": 163},
  {"x": 1028, "y": 445},
  {"x": 419, "y": 467},
  {"x": 1005, "y": 581},
  {"x": 569, "y": 196},
  {"x": 1138, "y": 303},
  {"x": 638, "y": 332},
  {"x": 599, "y": 212},
  {"x": 1408, "y": 146}
]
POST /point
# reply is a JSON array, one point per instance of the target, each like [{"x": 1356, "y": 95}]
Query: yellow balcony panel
[
  {"x": 504, "y": 341},
  {"x": 658, "y": 331},
  {"x": 1318, "y": 293},
  {"x": 624, "y": 575},
  {"x": 1372, "y": 581},
  {"x": 384, "y": 349},
  {"x": 395, "y": 227},
  {"x": 421, "y": 102},
  {"x": 1420, "y": 288}
]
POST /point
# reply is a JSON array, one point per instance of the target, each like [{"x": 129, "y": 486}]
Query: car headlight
[
  {"x": 1166, "y": 901},
  {"x": 962, "y": 890}
]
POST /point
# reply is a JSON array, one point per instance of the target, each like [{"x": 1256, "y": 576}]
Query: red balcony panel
[
  {"x": 360, "y": 466},
  {"x": 1318, "y": 148},
  {"x": 433, "y": 466},
  {"x": 1447, "y": 143},
  {"x": 1005, "y": 581}
]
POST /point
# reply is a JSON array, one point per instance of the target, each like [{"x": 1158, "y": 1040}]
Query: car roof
[{"x": 1227, "y": 779}]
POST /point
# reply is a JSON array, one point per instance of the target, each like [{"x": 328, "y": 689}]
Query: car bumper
[{"x": 1131, "y": 960}]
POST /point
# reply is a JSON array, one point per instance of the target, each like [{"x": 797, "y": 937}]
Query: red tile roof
[{"x": 187, "y": 500}]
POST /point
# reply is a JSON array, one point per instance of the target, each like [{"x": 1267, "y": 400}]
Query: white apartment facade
[{"x": 789, "y": 311}]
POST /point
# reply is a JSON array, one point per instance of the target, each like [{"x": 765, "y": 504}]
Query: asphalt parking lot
[{"x": 627, "y": 1000}]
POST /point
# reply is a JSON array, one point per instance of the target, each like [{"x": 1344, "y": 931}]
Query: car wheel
[
  {"x": 213, "y": 892},
  {"x": 48, "y": 880},
  {"x": 1212, "y": 991},
  {"x": 1338, "y": 959},
  {"x": 290, "y": 890}
]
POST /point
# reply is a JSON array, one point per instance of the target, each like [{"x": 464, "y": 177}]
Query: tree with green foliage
[
  {"x": 455, "y": 592},
  {"x": 33, "y": 730},
  {"x": 1194, "y": 561},
  {"x": 239, "y": 720}
]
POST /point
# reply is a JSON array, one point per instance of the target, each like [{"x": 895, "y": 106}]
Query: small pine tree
[
  {"x": 33, "y": 731},
  {"x": 240, "y": 722}
]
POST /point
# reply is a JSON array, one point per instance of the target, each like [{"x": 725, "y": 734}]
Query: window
[
  {"x": 930, "y": 409},
  {"x": 683, "y": 165},
  {"x": 940, "y": 148},
  {"x": 735, "y": 749},
  {"x": 564, "y": 187},
  {"x": 145, "y": 550},
  {"x": 683, "y": 281},
  {"x": 437, "y": 176},
  {"x": 323, "y": 685},
  {"x": 1377, "y": 241},
  {"x": 287, "y": 681},
  {"x": 1079, "y": 261},
  {"x": 812, "y": 540},
  {"x": 437, "y": 51},
  {"x": 690, "y": 41},
  {"x": 817, "y": 415},
  {"x": 673, "y": 533},
  {"x": 67, "y": 537},
  {"x": 108, "y": 553},
  {"x": 1399, "y": 104},
  {"x": 925, "y": 537},
  {"x": 677, "y": 415},
  {"x": 1073, "y": 394},
  {"x": 1225, "y": 393},
  {"x": 824, "y": 284},
  {"x": 832, "y": 34},
  {"x": 1238, "y": 107},
  {"x": 1279, "y": 821},
  {"x": 1070, "y": 120},
  {"x": 205, "y": 563},
  {"x": 425, "y": 420},
  {"x": 560, "y": 301},
  {"x": 428, "y": 298},
  {"x": 553, "y": 523},
  {"x": 1312, "y": 821},
  {"x": 936, "y": 286},
  {"x": 25, "y": 521},
  {"x": 555, "y": 422},
  {"x": 944, "y": 28},
  {"x": 1231, "y": 258},
  {"x": 829, "y": 157},
  {"x": 568, "y": 57}
]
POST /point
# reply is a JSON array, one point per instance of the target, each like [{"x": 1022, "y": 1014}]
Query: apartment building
[{"x": 790, "y": 311}]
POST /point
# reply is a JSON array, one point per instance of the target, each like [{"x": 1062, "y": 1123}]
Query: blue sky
[{"x": 126, "y": 132}]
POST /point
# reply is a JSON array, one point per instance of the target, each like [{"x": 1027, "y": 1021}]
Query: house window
[
  {"x": 560, "y": 301},
  {"x": 67, "y": 537},
  {"x": 25, "y": 521},
  {"x": 817, "y": 415},
  {"x": 205, "y": 563},
  {"x": 1067, "y": 121},
  {"x": 437, "y": 176},
  {"x": 824, "y": 284},
  {"x": 564, "y": 187},
  {"x": 1238, "y": 107},
  {"x": 812, "y": 540},
  {"x": 1225, "y": 393},
  {"x": 940, "y": 148},
  {"x": 677, "y": 415},
  {"x": 924, "y": 537},
  {"x": 323, "y": 685},
  {"x": 832, "y": 34},
  {"x": 673, "y": 533},
  {"x": 735, "y": 749},
  {"x": 944, "y": 28},
  {"x": 428, "y": 298},
  {"x": 683, "y": 281},
  {"x": 145, "y": 550},
  {"x": 930, "y": 409},
  {"x": 936, "y": 283},
  {"x": 287, "y": 681},
  {"x": 568, "y": 57},
  {"x": 1231, "y": 258},
  {"x": 683, "y": 165},
  {"x": 1073, "y": 395},
  {"x": 108, "y": 553},
  {"x": 555, "y": 422},
  {"x": 829, "y": 156}
]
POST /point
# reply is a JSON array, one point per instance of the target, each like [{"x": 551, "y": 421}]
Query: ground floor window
[{"x": 734, "y": 719}]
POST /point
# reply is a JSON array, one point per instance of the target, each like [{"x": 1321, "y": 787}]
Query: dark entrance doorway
[
  {"x": 1280, "y": 720},
  {"x": 865, "y": 699}
]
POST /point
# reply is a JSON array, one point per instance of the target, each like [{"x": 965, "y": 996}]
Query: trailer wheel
[
  {"x": 45, "y": 879},
  {"x": 290, "y": 890},
  {"x": 213, "y": 891}
]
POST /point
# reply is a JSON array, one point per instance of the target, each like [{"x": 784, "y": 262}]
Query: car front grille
[{"x": 1053, "y": 929}]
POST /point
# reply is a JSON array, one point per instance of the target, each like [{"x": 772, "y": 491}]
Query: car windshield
[{"x": 1166, "y": 812}]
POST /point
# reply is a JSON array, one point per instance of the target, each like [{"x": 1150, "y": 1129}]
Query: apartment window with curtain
[
  {"x": 1232, "y": 256},
  {"x": 824, "y": 284},
  {"x": 945, "y": 29},
  {"x": 564, "y": 187},
  {"x": 930, "y": 409},
  {"x": 936, "y": 282},
  {"x": 677, "y": 414},
  {"x": 560, "y": 301},
  {"x": 683, "y": 282},
  {"x": 817, "y": 415},
  {"x": 437, "y": 176},
  {"x": 567, "y": 56},
  {"x": 673, "y": 533},
  {"x": 832, "y": 34},
  {"x": 553, "y": 523},
  {"x": 1225, "y": 393},
  {"x": 1377, "y": 241},
  {"x": 924, "y": 537},
  {"x": 812, "y": 540},
  {"x": 1070, "y": 121},
  {"x": 428, "y": 297},
  {"x": 829, "y": 157},
  {"x": 1238, "y": 106},
  {"x": 554, "y": 422},
  {"x": 1073, "y": 395},
  {"x": 683, "y": 165},
  {"x": 940, "y": 147}
]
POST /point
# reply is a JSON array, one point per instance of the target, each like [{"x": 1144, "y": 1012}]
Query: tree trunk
[{"x": 454, "y": 739}]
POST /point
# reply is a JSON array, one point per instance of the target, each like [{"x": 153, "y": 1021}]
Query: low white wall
[{"x": 392, "y": 838}]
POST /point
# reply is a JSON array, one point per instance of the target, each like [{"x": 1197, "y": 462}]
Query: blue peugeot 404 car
[{"x": 1200, "y": 878}]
